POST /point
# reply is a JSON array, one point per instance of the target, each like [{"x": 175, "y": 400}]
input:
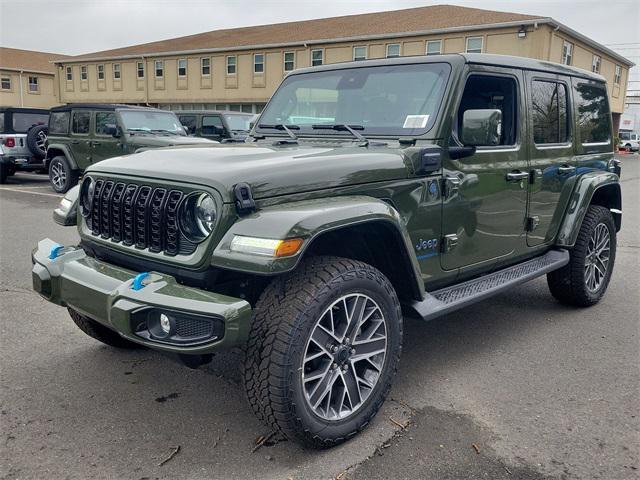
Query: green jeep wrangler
[
  {"x": 83, "y": 134},
  {"x": 413, "y": 187}
]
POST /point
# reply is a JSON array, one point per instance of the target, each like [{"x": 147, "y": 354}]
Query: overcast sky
[{"x": 82, "y": 26}]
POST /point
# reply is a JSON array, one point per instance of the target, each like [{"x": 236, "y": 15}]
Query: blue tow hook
[
  {"x": 56, "y": 250},
  {"x": 137, "y": 281}
]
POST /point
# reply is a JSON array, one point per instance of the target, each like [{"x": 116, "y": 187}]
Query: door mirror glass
[
  {"x": 481, "y": 127},
  {"x": 111, "y": 129}
]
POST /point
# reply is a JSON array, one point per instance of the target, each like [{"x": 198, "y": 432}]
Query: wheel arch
[
  {"x": 594, "y": 188},
  {"x": 59, "y": 150}
]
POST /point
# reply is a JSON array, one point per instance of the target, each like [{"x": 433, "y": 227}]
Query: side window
[
  {"x": 80, "y": 122},
  {"x": 188, "y": 121},
  {"x": 210, "y": 125},
  {"x": 486, "y": 92},
  {"x": 592, "y": 112},
  {"x": 549, "y": 111},
  {"x": 59, "y": 123},
  {"x": 102, "y": 120}
]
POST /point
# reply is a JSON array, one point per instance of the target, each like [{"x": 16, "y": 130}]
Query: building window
[
  {"x": 69, "y": 74},
  {"x": 317, "y": 57},
  {"x": 159, "y": 64},
  {"x": 140, "y": 69},
  {"x": 567, "y": 53},
  {"x": 359, "y": 53},
  {"x": 100, "y": 69},
  {"x": 550, "y": 114},
  {"x": 258, "y": 63},
  {"x": 231, "y": 65},
  {"x": 33, "y": 84},
  {"x": 205, "y": 66},
  {"x": 393, "y": 50},
  {"x": 5, "y": 83},
  {"x": 289, "y": 61},
  {"x": 617, "y": 75},
  {"x": 434, "y": 47},
  {"x": 595, "y": 64},
  {"x": 182, "y": 67},
  {"x": 83, "y": 73},
  {"x": 116, "y": 71},
  {"x": 474, "y": 44}
]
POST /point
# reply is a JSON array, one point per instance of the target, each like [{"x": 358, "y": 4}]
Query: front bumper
[{"x": 106, "y": 293}]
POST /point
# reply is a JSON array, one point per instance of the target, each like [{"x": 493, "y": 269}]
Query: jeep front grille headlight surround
[
  {"x": 85, "y": 201},
  {"x": 197, "y": 216}
]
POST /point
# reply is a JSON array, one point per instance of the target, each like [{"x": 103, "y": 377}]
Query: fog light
[{"x": 165, "y": 323}]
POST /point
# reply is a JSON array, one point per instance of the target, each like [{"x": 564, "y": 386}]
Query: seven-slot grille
[{"x": 138, "y": 215}]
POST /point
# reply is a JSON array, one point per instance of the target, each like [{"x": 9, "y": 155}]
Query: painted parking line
[{"x": 30, "y": 192}]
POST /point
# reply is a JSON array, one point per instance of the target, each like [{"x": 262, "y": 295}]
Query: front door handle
[
  {"x": 75, "y": 142},
  {"x": 95, "y": 143},
  {"x": 517, "y": 176},
  {"x": 565, "y": 169}
]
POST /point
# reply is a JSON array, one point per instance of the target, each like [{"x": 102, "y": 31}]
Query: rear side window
[
  {"x": 22, "y": 122},
  {"x": 59, "y": 123},
  {"x": 592, "y": 112},
  {"x": 188, "y": 121},
  {"x": 550, "y": 114},
  {"x": 80, "y": 122},
  {"x": 102, "y": 120},
  {"x": 209, "y": 125}
]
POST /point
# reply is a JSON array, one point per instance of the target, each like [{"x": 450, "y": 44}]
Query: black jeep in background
[{"x": 223, "y": 126}]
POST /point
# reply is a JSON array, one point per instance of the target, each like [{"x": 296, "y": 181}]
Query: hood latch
[{"x": 244, "y": 198}]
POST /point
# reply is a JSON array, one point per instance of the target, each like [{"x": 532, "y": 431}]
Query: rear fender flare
[{"x": 60, "y": 149}]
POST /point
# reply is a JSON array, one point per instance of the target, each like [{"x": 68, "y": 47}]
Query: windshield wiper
[
  {"x": 341, "y": 127},
  {"x": 283, "y": 127},
  {"x": 161, "y": 130}
]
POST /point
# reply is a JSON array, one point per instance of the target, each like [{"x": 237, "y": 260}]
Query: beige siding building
[
  {"x": 239, "y": 69},
  {"x": 27, "y": 78}
]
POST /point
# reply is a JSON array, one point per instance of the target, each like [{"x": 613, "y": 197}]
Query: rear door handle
[
  {"x": 565, "y": 169},
  {"x": 517, "y": 176}
]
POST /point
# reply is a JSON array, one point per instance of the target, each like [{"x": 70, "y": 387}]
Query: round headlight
[
  {"x": 86, "y": 196},
  {"x": 198, "y": 216}
]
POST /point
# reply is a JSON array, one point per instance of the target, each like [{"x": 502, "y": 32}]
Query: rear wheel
[
  {"x": 323, "y": 349},
  {"x": 101, "y": 333},
  {"x": 4, "y": 173},
  {"x": 61, "y": 176},
  {"x": 584, "y": 280}
]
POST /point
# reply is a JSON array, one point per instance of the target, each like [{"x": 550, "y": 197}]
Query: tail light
[{"x": 10, "y": 142}]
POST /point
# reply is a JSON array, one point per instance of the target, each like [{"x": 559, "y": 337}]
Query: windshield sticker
[{"x": 416, "y": 121}]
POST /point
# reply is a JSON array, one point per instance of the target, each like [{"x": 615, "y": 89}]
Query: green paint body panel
[{"x": 327, "y": 183}]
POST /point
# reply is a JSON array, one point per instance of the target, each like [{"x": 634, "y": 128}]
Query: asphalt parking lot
[{"x": 518, "y": 386}]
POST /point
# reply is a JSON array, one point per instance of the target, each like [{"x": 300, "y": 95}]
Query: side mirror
[
  {"x": 111, "y": 129},
  {"x": 67, "y": 212},
  {"x": 481, "y": 127}
]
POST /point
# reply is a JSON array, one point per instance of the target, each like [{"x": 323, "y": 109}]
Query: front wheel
[
  {"x": 323, "y": 349},
  {"x": 584, "y": 280}
]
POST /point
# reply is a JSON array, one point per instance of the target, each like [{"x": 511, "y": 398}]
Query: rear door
[
  {"x": 485, "y": 199},
  {"x": 551, "y": 152},
  {"x": 79, "y": 140},
  {"x": 104, "y": 145}
]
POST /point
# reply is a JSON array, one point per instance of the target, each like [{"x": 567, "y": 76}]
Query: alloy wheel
[
  {"x": 41, "y": 141},
  {"x": 58, "y": 175},
  {"x": 597, "y": 260},
  {"x": 344, "y": 356}
]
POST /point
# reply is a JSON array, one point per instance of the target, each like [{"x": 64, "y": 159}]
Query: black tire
[
  {"x": 285, "y": 317},
  {"x": 569, "y": 284},
  {"x": 61, "y": 176},
  {"x": 101, "y": 333},
  {"x": 36, "y": 141},
  {"x": 4, "y": 173}
]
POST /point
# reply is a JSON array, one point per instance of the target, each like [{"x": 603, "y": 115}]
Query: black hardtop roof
[
  {"x": 101, "y": 106},
  {"x": 508, "y": 61},
  {"x": 217, "y": 112},
  {"x": 24, "y": 110}
]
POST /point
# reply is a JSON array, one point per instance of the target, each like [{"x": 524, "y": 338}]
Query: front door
[
  {"x": 79, "y": 138},
  {"x": 103, "y": 144},
  {"x": 551, "y": 153},
  {"x": 485, "y": 195}
]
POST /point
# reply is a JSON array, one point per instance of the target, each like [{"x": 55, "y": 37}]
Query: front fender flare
[
  {"x": 307, "y": 219},
  {"x": 586, "y": 187}
]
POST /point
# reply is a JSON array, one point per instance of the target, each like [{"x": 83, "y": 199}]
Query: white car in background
[{"x": 629, "y": 141}]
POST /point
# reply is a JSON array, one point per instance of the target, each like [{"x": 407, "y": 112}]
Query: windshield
[
  {"x": 24, "y": 121},
  {"x": 152, "y": 122},
  {"x": 384, "y": 100},
  {"x": 239, "y": 122}
]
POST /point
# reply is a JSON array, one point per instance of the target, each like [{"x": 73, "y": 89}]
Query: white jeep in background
[{"x": 629, "y": 141}]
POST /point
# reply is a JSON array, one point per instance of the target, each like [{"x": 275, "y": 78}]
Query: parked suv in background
[
  {"x": 23, "y": 136},
  {"x": 81, "y": 135},
  {"x": 416, "y": 186},
  {"x": 217, "y": 125},
  {"x": 629, "y": 141}
]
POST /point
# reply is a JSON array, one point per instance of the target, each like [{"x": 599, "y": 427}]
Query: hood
[
  {"x": 270, "y": 170},
  {"x": 166, "y": 140}
]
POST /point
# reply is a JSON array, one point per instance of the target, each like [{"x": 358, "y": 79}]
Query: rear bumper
[{"x": 106, "y": 293}]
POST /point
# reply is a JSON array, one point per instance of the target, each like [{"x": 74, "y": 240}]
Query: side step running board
[{"x": 460, "y": 295}]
